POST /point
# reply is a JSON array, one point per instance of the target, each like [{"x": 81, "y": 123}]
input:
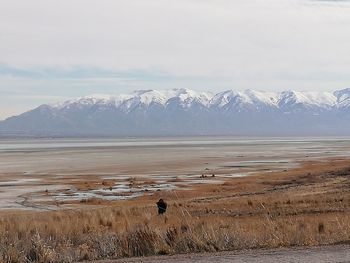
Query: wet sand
[{"x": 62, "y": 174}]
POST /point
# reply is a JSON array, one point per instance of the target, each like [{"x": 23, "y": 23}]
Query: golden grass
[{"x": 307, "y": 206}]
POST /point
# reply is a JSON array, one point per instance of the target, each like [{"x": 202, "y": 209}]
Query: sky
[{"x": 53, "y": 50}]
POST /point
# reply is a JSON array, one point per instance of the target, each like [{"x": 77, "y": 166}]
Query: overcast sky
[{"x": 51, "y": 50}]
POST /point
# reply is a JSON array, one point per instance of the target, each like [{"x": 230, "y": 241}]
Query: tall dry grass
[{"x": 124, "y": 232}]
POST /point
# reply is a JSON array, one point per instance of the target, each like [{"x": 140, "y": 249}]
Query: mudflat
[{"x": 68, "y": 173}]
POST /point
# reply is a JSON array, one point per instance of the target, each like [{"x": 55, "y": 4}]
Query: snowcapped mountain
[
  {"x": 249, "y": 100},
  {"x": 290, "y": 101},
  {"x": 185, "y": 98},
  {"x": 187, "y": 112}
]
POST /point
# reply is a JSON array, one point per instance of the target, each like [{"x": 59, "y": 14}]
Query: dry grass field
[{"x": 308, "y": 205}]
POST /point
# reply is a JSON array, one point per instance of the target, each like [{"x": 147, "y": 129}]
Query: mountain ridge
[{"x": 188, "y": 112}]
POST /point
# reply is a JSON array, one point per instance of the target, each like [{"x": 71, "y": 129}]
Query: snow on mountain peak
[
  {"x": 343, "y": 98},
  {"x": 288, "y": 99},
  {"x": 247, "y": 99},
  {"x": 262, "y": 97},
  {"x": 94, "y": 99},
  {"x": 146, "y": 97}
]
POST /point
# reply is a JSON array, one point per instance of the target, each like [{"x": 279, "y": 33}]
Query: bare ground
[{"x": 336, "y": 253}]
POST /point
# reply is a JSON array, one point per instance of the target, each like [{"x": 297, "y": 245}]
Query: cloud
[
  {"x": 331, "y": 1},
  {"x": 179, "y": 37},
  {"x": 72, "y": 48},
  {"x": 79, "y": 73}
]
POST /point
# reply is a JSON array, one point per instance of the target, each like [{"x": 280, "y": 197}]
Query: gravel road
[{"x": 338, "y": 253}]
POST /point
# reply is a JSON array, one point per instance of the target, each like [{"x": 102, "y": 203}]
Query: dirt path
[{"x": 338, "y": 253}]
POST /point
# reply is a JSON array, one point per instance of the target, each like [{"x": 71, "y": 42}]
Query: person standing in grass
[{"x": 162, "y": 205}]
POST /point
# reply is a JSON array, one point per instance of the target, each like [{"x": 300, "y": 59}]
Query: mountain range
[{"x": 186, "y": 112}]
